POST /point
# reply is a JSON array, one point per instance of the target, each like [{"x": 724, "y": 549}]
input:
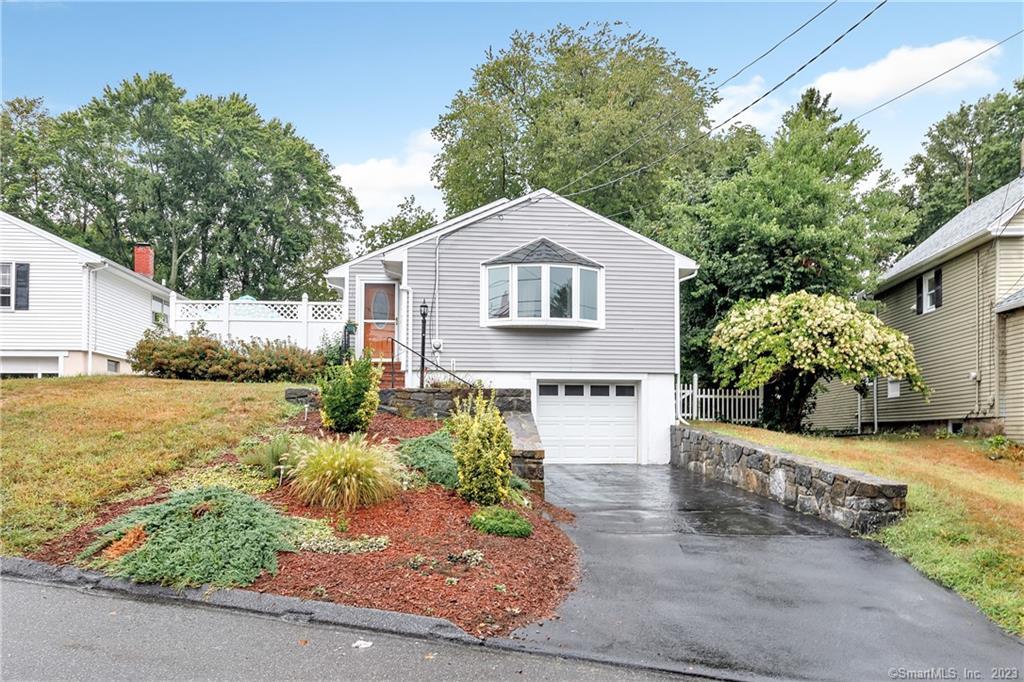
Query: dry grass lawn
[
  {"x": 965, "y": 522},
  {"x": 67, "y": 445}
]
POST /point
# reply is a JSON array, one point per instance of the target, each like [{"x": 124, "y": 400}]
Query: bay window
[{"x": 542, "y": 294}]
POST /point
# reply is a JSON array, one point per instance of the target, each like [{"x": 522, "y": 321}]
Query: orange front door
[{"x": 379, "y": 306}]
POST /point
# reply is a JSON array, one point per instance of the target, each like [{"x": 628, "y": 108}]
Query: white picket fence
[
  {"x": 696, "y": 403},
  {"x": 302, "y": 322}
]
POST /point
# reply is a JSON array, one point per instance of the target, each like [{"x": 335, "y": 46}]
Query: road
[{"x": 49, "y": 632}]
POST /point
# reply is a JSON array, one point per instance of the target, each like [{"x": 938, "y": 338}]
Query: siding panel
[
  {"x": 640, "y": 288},
  {"x": 1010, "y": 274},
  {"x": 123, "y": 311},
  {"x": 53, "y": 321},
  {"x": 1013, "y": 374}
]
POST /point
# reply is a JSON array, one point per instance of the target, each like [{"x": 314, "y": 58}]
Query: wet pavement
[{"x": 688, "y": 574}]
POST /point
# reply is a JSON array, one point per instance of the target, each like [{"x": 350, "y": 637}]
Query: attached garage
[{"x": 588, "y": 423}]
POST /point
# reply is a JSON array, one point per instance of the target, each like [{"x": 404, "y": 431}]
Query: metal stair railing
[{"x": 395, "y": 343}]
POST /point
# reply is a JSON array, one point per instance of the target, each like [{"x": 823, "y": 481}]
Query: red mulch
[
  {"x": 383, "y": 427},
  {"x": 537, "y": 572}
]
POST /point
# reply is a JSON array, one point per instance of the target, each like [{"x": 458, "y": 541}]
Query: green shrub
[
  {"x": 482, "y": 449},
  {"x": 1001, "y": 447},
  {"x": 496, "y": 520},
  {"x": 432, "y": 454},
  {"x": 213, "y": 536},
  {"x": 333, "y": 349},
  {"x": 344, "y": 475},
  {"x": 161, "y": 353},
  {"x": 271, "y": 457},
  {"x": 349, "y": 394}
]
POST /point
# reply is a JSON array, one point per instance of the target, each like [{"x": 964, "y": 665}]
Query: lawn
[
  {"x": 68, "y": 445},
  {"x": 965, "y": 521}
]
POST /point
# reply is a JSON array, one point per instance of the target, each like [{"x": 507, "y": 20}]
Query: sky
[{"x": 367, "y": 82}]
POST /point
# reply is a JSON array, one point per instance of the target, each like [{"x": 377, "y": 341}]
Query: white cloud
[
  {"x": 381, "y": 184},
  {"x": 905, "y": 67},
  {"x": 765, "y": 116}
]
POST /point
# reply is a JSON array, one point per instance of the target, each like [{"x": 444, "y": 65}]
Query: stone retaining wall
[
  {"x": 527, "y": 449},
  {"x": 438, "y": 403},
  {"x": 849, "y": 498}
]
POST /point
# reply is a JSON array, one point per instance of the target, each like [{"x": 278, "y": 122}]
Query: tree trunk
[{"x": 786, "y": 401}]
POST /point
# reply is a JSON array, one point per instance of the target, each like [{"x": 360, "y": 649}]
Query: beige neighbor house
[{"x": 959, "y": 296}]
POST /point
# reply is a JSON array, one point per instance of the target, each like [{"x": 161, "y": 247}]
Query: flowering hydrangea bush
[{"x": 789, "y": 343}]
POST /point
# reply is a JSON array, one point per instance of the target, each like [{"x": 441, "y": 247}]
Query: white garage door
[{"x": 587, "y": 423}]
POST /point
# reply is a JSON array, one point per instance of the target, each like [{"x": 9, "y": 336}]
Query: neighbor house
[
  {"x": 959, "y": 297},
  {"x": 66, "y": 310},
  {"x": 536, "y": 293}
]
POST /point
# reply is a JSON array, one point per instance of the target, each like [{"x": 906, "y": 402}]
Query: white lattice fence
[
  {"x": 303, "y": 322},
  {"x": 697, "y": 403}
]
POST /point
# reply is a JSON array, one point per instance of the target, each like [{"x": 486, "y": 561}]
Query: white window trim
[
  {"x": 10, "y": 275},
  {"x": 545, "y": 319},
  {"x": 892, "y": 388},
  {"x": 927, "y": 307}
]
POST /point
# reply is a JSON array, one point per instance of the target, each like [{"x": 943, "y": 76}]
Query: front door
[{"x": 379, "y": 317}]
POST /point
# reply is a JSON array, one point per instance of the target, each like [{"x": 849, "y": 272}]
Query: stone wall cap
[{"x": 835, "y": 469}]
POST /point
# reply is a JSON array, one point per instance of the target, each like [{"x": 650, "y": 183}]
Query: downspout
[
  {"x": 977, "y": 333},
  {"x": 90, "y": 313}
]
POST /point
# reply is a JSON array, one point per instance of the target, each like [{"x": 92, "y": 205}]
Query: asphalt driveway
[{"x": 694, "y": 575}]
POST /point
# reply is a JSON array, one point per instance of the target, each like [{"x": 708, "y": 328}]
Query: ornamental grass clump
[
  {"x": 482, "y": 449},
  {"x": 272, "y": 457},
  {"x": 349, "y": 394},
  {"x": 345, "y": 474},
  {"x": 501, "y": 521},
  {"x": 214, "y": 536}
]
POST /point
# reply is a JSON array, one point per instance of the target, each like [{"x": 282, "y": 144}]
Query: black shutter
[
  {"x": 938, "y": 288},
  {"x": 21, "y": 286},
  {"x": 920, "y": 295}
]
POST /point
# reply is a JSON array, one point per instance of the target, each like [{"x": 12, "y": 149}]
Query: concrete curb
[
  {"x": 276, "y": 606},
  {"x": 318, "y": 613}
]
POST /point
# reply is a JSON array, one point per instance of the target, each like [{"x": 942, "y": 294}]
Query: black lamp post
[{"x": 424, "y": 311}]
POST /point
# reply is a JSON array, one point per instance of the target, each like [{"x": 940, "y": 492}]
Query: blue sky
[{"x": 367, "y": 81}]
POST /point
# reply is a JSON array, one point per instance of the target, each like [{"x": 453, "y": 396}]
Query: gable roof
[
  {"x": 1011, "y": 302},
  {"x": 982, "y": 220},
  {"x": 542, "y": 250},
  {"x": 88, "y": 256},
  {"x": 683, "y": 263}
]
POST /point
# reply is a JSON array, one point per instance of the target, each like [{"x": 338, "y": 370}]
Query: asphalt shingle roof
[
  {"x": 964, "y": 226},
  {"x": 1011, "y": 302},
  {"x": 542, "y": 251}
]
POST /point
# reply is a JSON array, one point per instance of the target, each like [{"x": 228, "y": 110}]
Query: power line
[
  {"x": 707, "y": 133},
  {"x": 934, "y": 78},
  {"x": 718, "y": 87}
]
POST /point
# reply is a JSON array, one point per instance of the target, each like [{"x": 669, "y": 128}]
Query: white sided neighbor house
[
  {"x": 65, "y": 310},
  {"x": 542, "y": 294}
]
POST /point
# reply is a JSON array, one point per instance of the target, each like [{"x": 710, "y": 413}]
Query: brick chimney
[{"x": 144, "y": 259}]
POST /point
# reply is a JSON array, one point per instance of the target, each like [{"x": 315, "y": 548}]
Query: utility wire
[
  {"x": 708, "y": 132},
  {"x": 934, "y": 78},
  {"x": 718, "y": 87}
]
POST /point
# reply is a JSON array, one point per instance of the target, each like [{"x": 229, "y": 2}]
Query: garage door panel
[{"x": 598, "y": 428}]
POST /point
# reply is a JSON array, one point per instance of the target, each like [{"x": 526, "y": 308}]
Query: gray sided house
[
  {"x": 959, "y": 296},
  {"x": 542, "y": 294}
]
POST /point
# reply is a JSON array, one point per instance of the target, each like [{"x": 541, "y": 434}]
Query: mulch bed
[{"x": 520, "y": 581}]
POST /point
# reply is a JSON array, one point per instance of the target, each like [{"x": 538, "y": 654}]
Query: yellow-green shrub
[
  {"x": 349, "y": 394},
  {"x": 482, "y": 449},
  {"x": 344, "y": 475}
]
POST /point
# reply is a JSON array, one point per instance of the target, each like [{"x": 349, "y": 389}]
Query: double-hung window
[
  {"x": 929, "y": 291},
  {"x": 6, "y": 286}
]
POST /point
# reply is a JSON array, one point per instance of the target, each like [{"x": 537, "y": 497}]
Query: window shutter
[
  {"x": 21, "y": 286},
  {"x": 920, "y": 295},
  {"x": 938, "y": 288}
]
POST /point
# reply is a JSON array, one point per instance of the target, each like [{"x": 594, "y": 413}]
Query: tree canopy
[
  {"x": 968, "y": 154},
  {"x": 549, "y": 107},
  {"x": 790, "y": 214},
  {"x": 409, "y": 220},
  {"x": 231, "y": 201},
  {"x": 788, "y": 344}
]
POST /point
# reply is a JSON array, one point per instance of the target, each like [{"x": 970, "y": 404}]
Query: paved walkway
[
  {"x": 684, "y": 573},
  {"x": 52, "y": 633}
]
